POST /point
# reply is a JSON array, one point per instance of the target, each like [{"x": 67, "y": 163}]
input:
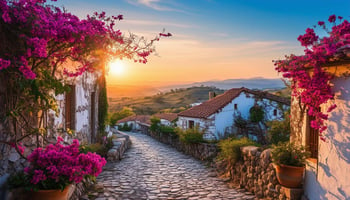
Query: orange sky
[
  {"x": 212, "y": 40},
  {"x": 187, "y": 60}
]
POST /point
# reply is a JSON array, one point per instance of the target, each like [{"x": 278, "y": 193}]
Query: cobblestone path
[{"x": 152, "y": 170}]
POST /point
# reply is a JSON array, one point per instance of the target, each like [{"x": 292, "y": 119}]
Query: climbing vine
[
  {"x": 102, "y": 104},
  {"x": 310, "y": 81}
]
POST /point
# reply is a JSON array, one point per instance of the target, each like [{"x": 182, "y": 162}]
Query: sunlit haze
[
  {"x": 212, "y": 39},
  {"x": 116, "y": 68}
]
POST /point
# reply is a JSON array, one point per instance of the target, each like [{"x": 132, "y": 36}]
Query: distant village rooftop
[
  {"x": 145, "y": 119},
  {"x": 211, "y": 106},
  {"x": 168, "y": 116}
]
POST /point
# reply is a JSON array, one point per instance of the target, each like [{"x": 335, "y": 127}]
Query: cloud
[
  {"x": 159, "y": 5},
  {"x": 158, "y": 23}
]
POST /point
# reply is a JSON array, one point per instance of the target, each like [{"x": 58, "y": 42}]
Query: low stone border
[
  {"x": 120, "y": 145},
  {"x": 256, "y": 174}
]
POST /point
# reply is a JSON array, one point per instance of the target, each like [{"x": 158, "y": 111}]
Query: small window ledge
[{"x": 311, "y": 163}]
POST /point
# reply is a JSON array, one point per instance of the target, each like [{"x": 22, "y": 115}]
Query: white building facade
[
  {"x": 216, "y": 116},
  {"x": 78, "y": 108},
  {"x": 328, "y": 171}
]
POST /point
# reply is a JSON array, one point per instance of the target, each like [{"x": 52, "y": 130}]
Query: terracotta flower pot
[
  {"x": 290, "y": 176},
  {"x": 49, "y": 194}
]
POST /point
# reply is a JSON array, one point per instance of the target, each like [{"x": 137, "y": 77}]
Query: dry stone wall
[{"x": 255, "y": 173}]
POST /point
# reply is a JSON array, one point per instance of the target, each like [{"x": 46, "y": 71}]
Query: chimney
[{"x": 211, "y": 95}]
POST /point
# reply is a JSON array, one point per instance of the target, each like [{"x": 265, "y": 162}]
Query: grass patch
[{"x": 230, "y": 150}]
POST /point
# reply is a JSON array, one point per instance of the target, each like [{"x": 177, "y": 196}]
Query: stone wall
[
  {"x": 120, "y": 145},
  {"x": 201, "y": 151},
  {"x": 256, "y": 174}
]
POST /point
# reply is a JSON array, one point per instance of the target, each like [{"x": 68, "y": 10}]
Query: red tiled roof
[
  {"x": 168, "y": 116},
  {"x": 146, "y": 119},
  {"x": 127, "y": 119},
  {"x": 211, "y": 106}
]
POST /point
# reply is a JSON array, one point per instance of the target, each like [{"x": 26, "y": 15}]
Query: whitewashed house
[
  {"x": 217, "y": 114},
  {"x": 78, "y": 108},
  {"x": 167, "y": 119},
  {"x": 78, "y": 111},
  {"x": 327, "y": 173}
]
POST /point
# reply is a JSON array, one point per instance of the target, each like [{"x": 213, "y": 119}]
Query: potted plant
[
  {"x": 289, "y": 161},
  {"x": 53, "y": 169}
]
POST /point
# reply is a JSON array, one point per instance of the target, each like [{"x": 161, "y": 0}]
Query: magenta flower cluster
[
  {"x": 314, "y": 89},
  {"x": 62, "y": 164},
  {"x": 50, "y": 34}
]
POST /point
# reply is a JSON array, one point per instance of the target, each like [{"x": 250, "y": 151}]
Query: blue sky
[{"x": 213, "y": 39}]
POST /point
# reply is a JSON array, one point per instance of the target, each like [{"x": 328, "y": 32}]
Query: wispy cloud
[
  {"x": 159, "y": 5},
  {"x": 158, "y": 23}
]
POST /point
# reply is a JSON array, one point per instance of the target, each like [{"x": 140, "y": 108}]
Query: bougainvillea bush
[
  {"x": 315, "y": 89},
  {"x": 42, "y": 46},
  {"x": 57, "y": 166}
]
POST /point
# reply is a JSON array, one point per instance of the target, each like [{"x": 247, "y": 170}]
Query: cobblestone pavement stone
[{"x": 152, "y": 170}]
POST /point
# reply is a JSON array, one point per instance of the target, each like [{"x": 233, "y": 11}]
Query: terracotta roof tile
[
  {"x": 127, "y": 119},
  {"x": 212, "y": 106},
  {"x": 168, "y": 116},
  {"x": 146, "y": 119}
]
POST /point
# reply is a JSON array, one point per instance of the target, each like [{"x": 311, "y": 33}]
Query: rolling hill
[{"x": 175, "y": 100}]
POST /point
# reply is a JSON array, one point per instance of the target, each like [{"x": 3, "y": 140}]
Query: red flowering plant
[
  {"x": 42, "y": 48},
  {"x": 314, "y": 89},
  {"x": 57, "y": 166}
]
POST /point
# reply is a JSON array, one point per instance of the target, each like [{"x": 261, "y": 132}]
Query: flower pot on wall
[
  {"x": 49, "y": 194},
  {"x": 290, "y": 176}
]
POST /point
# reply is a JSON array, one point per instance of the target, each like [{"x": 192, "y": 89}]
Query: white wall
[
  {"x": 216, "y": 124},
  {"x": 84, "y": 86},
  {"x": 165, "y": 122},
  {"x": 332, "y": 179}
]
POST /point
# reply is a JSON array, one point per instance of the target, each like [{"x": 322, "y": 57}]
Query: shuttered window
[{"x": 70, "y": 108}]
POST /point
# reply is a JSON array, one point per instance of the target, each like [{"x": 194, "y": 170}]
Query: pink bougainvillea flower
[
  {"x": 332, "y": 18},
  {"x": 314, "y": 89}
]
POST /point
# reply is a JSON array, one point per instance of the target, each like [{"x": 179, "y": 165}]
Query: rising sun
[{"x": 116, "y": 67}]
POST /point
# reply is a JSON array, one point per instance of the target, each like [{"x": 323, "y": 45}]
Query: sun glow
[{"x": 116, "y": 67}]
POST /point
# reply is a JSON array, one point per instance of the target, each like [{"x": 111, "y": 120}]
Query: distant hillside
[
  {"x": 118, "y": 91},
  {"x": 252, "y": 83},
  {"x": 175, "y": 100}
]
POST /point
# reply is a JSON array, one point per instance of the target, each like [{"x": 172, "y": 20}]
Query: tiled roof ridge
[
  {"x": 168, "y": 116},
  {"x": 213, "y": 105}
]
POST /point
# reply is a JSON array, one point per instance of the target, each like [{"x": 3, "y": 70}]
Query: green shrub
[
  {"x": 167, "y": 130},
  {"x": 230, "y": 150},
  {"x": 125, "y": 127},
  {"x": 279, "y": 131},
  {"x": 256, "y": 114},
  {"x": 155, "y": 124},
  {"x": 190, "y": 136},
  {"x": 99, "y": 148}
]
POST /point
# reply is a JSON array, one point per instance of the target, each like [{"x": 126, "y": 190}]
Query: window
[
  {"x": 275, "y": 112},
  {"x": 313, "y": 140},
  {"x": 70, "y": 108},
  {"x": 190, "y": 124},
  {"x": 235, "y": 106}
]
